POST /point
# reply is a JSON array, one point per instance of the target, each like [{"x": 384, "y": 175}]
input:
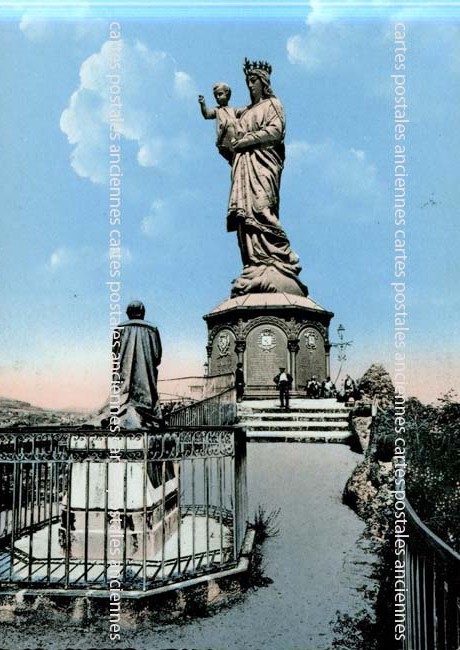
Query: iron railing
[
  {"x": 218, "y": 410},
  {"x": 80, "y": 508},
  {"x": 432, "y": 578},
  {"x": 194, "y": 388}
]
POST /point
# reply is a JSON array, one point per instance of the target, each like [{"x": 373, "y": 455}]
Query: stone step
[
  {"x": 298, "y": 401},
  {"x": 294, "y": 426},
  {"x": 290, "y": 436},
  {"x": 294, "y": 409},
  {"x": 295, "y": 415},
  {"x": 306, "y": 420}
]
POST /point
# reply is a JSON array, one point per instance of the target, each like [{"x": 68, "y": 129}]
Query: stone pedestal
[
  {"x": 122, "y": 491},
  {"x": 266, "y": 331}
]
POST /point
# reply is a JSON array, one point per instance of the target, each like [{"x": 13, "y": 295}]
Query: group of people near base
[
  {"x": 323, "y": 390},
  {"x": 313, "y": 389},
  {"x": 349, "y": 391}
]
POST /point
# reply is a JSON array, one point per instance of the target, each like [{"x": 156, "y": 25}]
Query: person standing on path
[
  {"x": 239, "y": 382},
  {"x": 283, "y": 381}
]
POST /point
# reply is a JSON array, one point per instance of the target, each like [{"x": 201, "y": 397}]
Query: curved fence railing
[
  {"x": 191, "y": 389},
  {"x": 80, "y": 508},
  {"x": 432, "y": 578},
  {"x": 218, "y": 410}
]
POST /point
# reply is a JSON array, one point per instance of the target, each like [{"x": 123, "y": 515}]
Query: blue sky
[{"x": 333, "y": 77}]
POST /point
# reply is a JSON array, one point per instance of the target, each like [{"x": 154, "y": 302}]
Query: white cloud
[
  {"x": 334, "y": 34},
  {"x": 297, "y": 150},
  {"x": 124, "y": 255},
  {"x": 184, "y": 85},
  {"x": 321, "y": 41},
  {"x": 342, "y": 171},
  {"x": 328, "y": 39},
  {"x": 359, "y": 153},
  {"x": 154, "y": 98},
  {"x": 38, "y": 28},
  {"x": 325, "y": 11},
  {"x": 34, "y": 28},
  {"x": 322, "y": 44},
  {"x": 447, "y": 38},
  {"x": 148, "y": 225},
  {"x": 84, "y": 126},
  {"x": 157, "y": 220},
  {"x": 59, "y": 258},
  {"x": 66, "y": 257},
  {"x": 152, "y": 152}
]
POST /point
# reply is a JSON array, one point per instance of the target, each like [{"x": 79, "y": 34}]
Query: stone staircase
[{"x": 307, "y": 420}]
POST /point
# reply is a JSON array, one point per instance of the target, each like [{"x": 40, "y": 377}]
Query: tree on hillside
[{"x": 376, "y": 382}]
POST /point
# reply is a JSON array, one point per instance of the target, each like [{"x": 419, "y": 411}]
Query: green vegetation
[
  {"x": 265, "y": 524},
  {"x": 376, "y": 382},
  {"x": 432, "y": 454},
  {"x": 432, "y": 435}
]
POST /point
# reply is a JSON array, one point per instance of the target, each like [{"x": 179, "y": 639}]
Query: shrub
[
  {"x": 376, "y": 382},
  {"x": 433, "y": 461}
]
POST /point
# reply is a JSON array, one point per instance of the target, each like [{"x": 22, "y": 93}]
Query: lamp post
[{"x": 341, "y": 346}]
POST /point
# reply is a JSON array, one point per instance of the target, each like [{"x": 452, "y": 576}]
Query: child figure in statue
[{"x": 226, "y": 118}]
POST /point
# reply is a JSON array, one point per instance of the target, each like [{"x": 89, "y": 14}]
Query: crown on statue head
[{"x": 253, "y": 66}]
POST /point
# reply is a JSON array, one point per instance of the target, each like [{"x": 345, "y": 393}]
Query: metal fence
[
  {"x": 194, "y": 388},
  {"x": 218, "y": 410},
  {"x": 82, "y": 508},
  {"x": 432, "y": 578}
]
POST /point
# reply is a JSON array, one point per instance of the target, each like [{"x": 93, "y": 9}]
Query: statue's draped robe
[
  {"x": 270, "y": 264},
  {"x": 136, "y": 355},
  {"x": 139, "y": 348},
  {"x": 140, "y": 355}
]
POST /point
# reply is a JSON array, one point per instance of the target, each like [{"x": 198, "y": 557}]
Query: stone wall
[
  {"x": 223, "y": 356},
  {"x": 311, "y": 357},
  {"x": 266, "y": 352}
]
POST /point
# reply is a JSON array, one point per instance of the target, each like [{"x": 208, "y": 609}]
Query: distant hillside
[
  {"x": 14, "y": 412},
  {"x": 8, "y": 402}
]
